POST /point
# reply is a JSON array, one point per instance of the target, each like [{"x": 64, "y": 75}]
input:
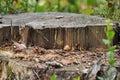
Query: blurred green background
[{"x": 105, "y": 8}]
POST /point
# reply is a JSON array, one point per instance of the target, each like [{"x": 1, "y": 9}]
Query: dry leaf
[
  {"x": 19, "y": 46},
  {"x": 67, "y": 48}
]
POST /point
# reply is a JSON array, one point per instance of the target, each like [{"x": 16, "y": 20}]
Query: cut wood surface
[{"x": 55, "y": 30}]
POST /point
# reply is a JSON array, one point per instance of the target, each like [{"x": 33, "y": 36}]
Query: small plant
[
  {"x": 53, "y": 77},
  {"x": 110, "y": 54},
  {"x": 9, "y": 69},
  {"x": 10, "y": 75},
  {"x": 76, "y": 78},
  {"x": 109, "y": 34}
]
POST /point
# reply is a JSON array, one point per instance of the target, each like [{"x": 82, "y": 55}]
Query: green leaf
[
  {"x": 112, "y": 48},
  {"x": 109, "y": 27},
  {"x": 88, "y": 11},
  {"x": 53, "y": 77},
  {"x": 110, "y": 54},
  {"x": 111, "y": 61},
  {"x": 108, "y": 21},
  {"x": 110, "y": 35},
  {"x": 77, "y": 78},
  {"x": 112, "y": 69},
  {"x": 72, "y": 1},
  {"x": 40, "y": 9},
  {"x": 90, "y": 2},
  {"x": 100, "y": 78},
  {"x": 9, "y": 69},
  {"x": 106, "y": 42}
]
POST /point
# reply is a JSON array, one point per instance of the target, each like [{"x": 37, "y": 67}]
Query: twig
[{"x": 36, "y": 74}]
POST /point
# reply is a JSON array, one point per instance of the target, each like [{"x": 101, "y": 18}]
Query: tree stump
[
  {"x": 55, "y": 30},
  {"x": 45, "y": 35}
]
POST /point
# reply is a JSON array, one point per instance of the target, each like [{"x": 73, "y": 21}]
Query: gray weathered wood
[{"x": 55, "y": 30}]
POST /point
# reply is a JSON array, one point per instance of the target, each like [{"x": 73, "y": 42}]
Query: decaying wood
[
  {"x": 5, "y": 34},
  {"x": 49, "y": 31}
]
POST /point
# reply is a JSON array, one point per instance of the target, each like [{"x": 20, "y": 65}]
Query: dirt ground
[{"x": 58, "y": 58}]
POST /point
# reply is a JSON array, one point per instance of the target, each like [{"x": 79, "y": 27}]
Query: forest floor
[{"x": 58, "y": 58}]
